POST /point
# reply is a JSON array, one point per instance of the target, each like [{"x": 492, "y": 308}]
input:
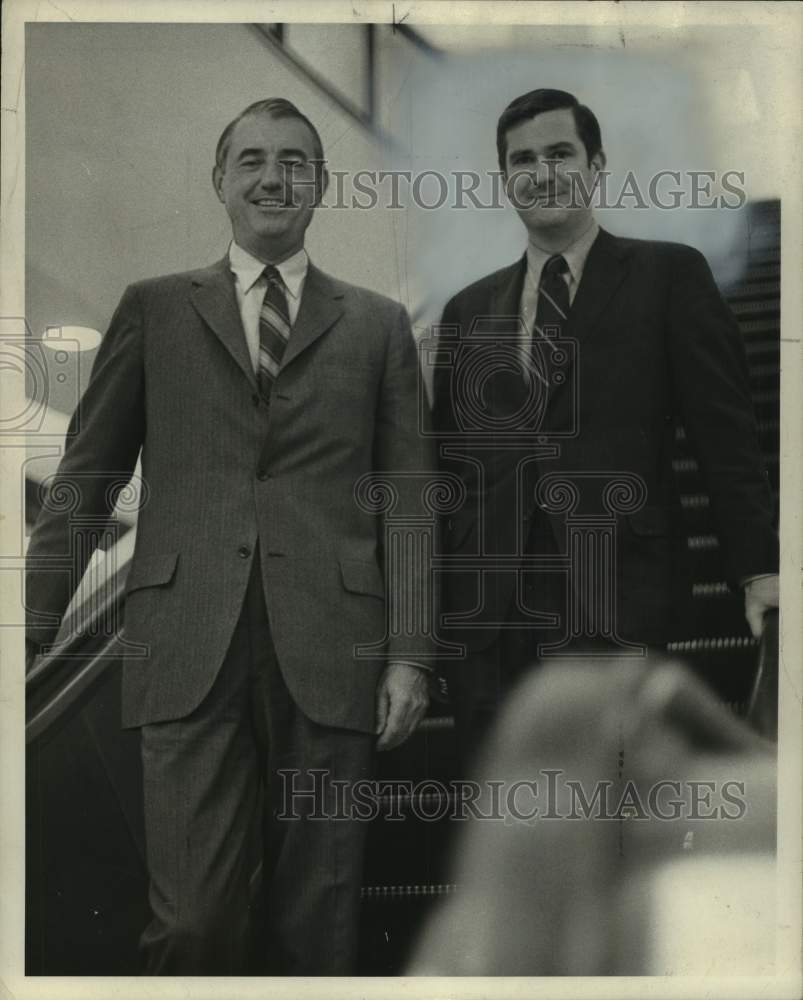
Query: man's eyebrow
[
  {"x": 292, "y": 151},
  {"x": 559, "y": 144},
  {"x": 249, "y": 152},
  {"x": 288, "y": 151}
]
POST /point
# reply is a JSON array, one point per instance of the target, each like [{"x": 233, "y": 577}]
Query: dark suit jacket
[
  {"x": 224, "y": 472},
  {"x": 656, "y": 345}
]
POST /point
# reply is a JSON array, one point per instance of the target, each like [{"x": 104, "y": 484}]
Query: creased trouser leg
[{"x": 205, "y": 779}]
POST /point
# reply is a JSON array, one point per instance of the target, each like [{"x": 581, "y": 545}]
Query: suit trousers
[
  {"x": 480, "y": 683},
  {"x": 245, "y": 780}
]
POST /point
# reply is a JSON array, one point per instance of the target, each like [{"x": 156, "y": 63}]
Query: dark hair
[
  {"x": 274, "y": 107},
  {"x": 535, "y": 103}
]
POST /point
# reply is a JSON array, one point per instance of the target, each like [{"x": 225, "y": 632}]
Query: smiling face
[
  {"x": 546, "y": 172},
  {"x": 270, "y": 185}
]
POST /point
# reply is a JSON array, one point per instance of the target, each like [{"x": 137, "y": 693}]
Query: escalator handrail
[{"x": 88, "y": 647}]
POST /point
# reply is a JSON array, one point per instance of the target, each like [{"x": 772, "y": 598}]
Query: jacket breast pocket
[
  {"x": 344, "y": 370},
  {"x": 340, "y": 396}
]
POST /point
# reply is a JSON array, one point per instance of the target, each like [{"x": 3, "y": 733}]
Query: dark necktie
[
  {"x": 550, "y": 318},
  {"x": 553, "y": 300},
  {"x": 274, "y": 330}
]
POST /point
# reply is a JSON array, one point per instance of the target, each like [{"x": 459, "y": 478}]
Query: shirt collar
[
  {"x": 248, "y": 269},
  {"x": 574, "y": 255}
]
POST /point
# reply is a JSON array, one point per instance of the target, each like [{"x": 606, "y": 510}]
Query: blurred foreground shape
[{"x": 609, "y": 887}]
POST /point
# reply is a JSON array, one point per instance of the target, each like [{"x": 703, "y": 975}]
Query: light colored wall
[
  {"x": 704, "y": 101},
  {"x": 122, "y": 122}
]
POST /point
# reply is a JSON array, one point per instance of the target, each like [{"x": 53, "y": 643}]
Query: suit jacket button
[
  {"x": 262, "y": 475},
  {"x": 243, "y": 552},
  {"x": 255, "y": 399}
]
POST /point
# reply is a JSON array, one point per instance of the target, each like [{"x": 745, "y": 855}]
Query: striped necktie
[
  {"x": 551, "y": 312},
  {"x": 553, "y": 299},
  {"x": 274, "y": 330}
]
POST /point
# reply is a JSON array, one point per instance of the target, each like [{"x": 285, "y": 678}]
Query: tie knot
[
  {"x": 273, "y": 275},
  {"x": 555, "y": 266}
]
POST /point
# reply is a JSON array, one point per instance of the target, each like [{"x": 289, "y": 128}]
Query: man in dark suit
[
  {"x": 258, "y": 391},
  {"x": 559, "y": 382}
]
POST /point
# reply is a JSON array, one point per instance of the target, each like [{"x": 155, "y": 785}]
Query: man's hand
[
  {"x": 401, "y": 701},
  {"x": 759, "y": 596}
]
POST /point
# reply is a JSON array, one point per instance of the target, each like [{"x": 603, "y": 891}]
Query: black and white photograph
[{"x": 401, "y": 499}]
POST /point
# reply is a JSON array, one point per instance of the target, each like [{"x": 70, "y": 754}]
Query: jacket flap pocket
[
  {"x": 151, "y": 571},
  {"x": 650, "y": 521},
  {"x": 362, "y": 577}
]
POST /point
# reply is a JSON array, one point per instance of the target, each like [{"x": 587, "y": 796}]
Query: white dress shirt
[
  {"x": 251, "y": 284},
  {"x": 575, "y": 256}
]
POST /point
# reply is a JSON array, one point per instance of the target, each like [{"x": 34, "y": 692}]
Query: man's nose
[
  {"x": 543, "y": 173},
  {"x": 273, "y": 175}
]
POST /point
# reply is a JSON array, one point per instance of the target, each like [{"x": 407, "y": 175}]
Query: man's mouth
[
  {"x": 271, "y": 203},
  {"x": 553, "y": 199},
  {"x": 554, "y": 194}
]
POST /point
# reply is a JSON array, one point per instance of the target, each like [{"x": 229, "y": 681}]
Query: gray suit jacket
[{"x": 224, "y": 473}]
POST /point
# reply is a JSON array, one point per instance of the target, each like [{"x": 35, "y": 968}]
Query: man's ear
[
  {"x": 217, "y": 182},
  {"x": 598, "y": 161}
]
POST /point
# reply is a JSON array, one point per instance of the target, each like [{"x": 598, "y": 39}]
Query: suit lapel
[
  {"x": 321, "y": 307},
  {"x": 507, "y": 294},
  {"x": 504, "y": 392},
  {"x": 214, "y": 298},
  {"x": 605, "y": 269}
]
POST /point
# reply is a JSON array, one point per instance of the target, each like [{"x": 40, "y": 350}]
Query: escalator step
[
  {"x": 383, "y": 893},
  {"x": 715, "y": 644},
  {"x": 755, "y": 290}
]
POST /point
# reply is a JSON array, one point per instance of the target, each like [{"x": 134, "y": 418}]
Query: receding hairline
[{"x": 224, "y": 142}]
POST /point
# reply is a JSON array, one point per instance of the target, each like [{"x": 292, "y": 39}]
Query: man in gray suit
[{"x": 258, "y": 391}]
